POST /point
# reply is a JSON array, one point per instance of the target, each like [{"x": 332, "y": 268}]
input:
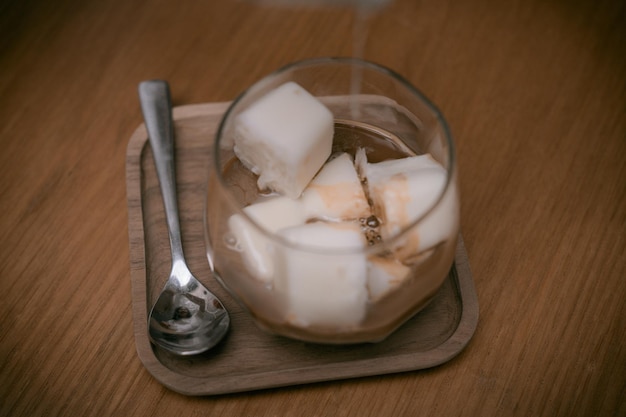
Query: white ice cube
[
  {"x": 404, "y": 197},
  {"x": 384, "y": 275},
  {"x": 323, "y": 287},
  {"x": 285, "y": 137},
  {"x": 402, "y": 190},
  {"x": 441, "y": 223},
  {"x": 379, "y": 171},
  {"x": 256, "y": 247},
  {"x": 336, "y": 192}
]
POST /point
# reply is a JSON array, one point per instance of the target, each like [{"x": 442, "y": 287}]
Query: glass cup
[{"x": 337, "y": 293}]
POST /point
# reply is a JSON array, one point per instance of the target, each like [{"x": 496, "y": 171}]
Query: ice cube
[
  {"x": 257, "y": 248},
  {"x": 379, "y": 171},
  {"x": 285, "y": 137},
  {"x": 327, "y": 286},
  {"x": 402, "y": 190},
  {"x": 336, "y": 192},
  {"x": 383, "y": 275}
]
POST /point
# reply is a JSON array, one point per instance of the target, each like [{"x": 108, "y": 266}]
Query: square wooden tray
[{"x": 249, "y": 359}]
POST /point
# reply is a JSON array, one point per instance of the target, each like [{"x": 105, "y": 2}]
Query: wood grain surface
[{"x": 534, "y": 92}]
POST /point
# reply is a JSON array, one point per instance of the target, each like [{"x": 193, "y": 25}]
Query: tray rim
[{"x": 195, "y": 385}]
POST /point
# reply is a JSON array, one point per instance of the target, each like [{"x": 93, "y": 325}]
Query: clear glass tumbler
[{"x": 335, "y": 292}]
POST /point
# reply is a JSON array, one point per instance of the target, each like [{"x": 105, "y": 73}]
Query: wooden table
[{"x": 534, "y": 91}]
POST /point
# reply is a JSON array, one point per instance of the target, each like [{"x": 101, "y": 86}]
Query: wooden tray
[{"x": 249, "y": 359}]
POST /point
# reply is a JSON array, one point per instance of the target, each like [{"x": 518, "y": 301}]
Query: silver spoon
[{"x": 187, "y": 318}]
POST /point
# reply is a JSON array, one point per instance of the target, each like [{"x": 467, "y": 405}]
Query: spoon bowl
[{"x": 186, "y": 319}]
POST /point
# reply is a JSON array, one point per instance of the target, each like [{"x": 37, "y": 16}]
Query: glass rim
[{"x": 310, "y": 62}]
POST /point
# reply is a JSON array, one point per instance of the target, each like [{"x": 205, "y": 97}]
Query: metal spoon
[{"x": 187, "y": 318}]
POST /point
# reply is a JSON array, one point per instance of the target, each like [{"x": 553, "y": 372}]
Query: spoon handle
[{"x": 154, "y": 96}]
